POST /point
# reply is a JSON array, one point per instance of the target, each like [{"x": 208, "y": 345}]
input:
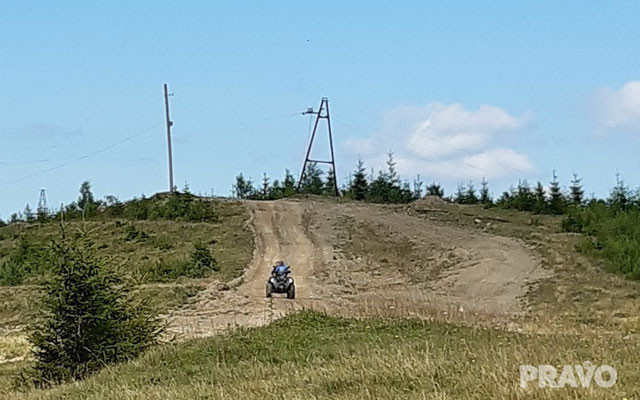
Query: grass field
[
  {"x": 581, "y": 314},
  {"x": 309, "y": 356},
  {"x": 144, "y": 258}
]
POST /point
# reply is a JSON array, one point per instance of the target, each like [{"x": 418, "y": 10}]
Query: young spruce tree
[
  {"x": 576, "y": 191},
  {"x": 540, "y": 199},
  {"x": 557, "y": 201},
  {"x": 435, "y": 190},
  {"x": 485, "y": 197},
  {"x": 312, "y": 183},
  {"x": 359, "y": 186},
  {"x": 89, "y": 318}
]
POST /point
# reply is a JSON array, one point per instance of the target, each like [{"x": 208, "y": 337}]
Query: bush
[
  {"x": 12, "y": 273},
  {"x": 201, "y": 257},
  {"x": 178, "y": 207},
  {"x": 21, "y": 263},
  {"x": 199, "y": 265},
  {"x": 614, "y": 235},
  {"x": 135, "y": 234},
  {"x": 89, "y": 318}
]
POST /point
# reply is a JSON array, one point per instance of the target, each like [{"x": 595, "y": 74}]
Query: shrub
[
  {"x": 201, "y": 257},
  {"x": 22, "y": 262},
  {"x": 135, "y": 234},
  {"x": 178, "y": 207},
  {"x": 89, "y": 318},
  {"x": 614, "y": 235},
  {"x": 12, "y": 273},
  {"x": 199, "y": 265}
]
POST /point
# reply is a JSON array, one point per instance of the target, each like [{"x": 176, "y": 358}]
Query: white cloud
[
  {"x": 619, "y": 110},
  {"x": 495, "y": 163},
  {"x": 449, "y": 142}
]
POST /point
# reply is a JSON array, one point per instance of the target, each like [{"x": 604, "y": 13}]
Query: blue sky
[{"x": 458, "y": 90}]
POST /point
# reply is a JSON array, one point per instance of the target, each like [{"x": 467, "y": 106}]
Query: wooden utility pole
[
  {"x": 322, "y": 113},
  {"x": 169, "y": 125}
]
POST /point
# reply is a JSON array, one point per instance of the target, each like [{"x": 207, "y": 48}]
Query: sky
[{"x": 458, "y": 91}]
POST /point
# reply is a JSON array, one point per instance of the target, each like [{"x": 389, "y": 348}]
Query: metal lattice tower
[
  {"x": 42, "y": 203},
  {"x": 322, "y": 113}
]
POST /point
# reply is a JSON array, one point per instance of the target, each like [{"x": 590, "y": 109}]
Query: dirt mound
[
  {"x": 429, "y": 201},
  {"x": 354, "y": 259}
]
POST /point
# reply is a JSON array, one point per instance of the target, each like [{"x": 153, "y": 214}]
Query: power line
[
  {"x": 6, "y": 164},
  {"x": 88, "y": 155}
]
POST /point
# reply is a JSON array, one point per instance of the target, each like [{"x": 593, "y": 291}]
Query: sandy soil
[{"x": 353, "y": 259}]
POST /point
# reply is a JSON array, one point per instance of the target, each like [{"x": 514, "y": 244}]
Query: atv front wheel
[
  {"x": 269, "y": 289},
  {"x": 291, "y": 293}
]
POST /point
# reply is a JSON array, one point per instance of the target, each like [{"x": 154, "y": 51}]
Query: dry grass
[
  {"x": 13, "y": 347},
  {"x": 581, "y": 297},
  {"x": 311, "y": 356}
]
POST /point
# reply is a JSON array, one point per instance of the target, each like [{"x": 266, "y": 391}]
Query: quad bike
[{"x": 281, "y": 282}]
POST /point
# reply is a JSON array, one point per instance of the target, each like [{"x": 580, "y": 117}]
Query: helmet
[{"x": 279, "y": 263}]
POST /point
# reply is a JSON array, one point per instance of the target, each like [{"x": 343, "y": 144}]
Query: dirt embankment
[{"x": 354, "y": 259}]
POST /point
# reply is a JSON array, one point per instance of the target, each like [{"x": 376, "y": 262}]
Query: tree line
[
  {"x": 383, "y": 187},
  {"x": 177, "y": 206}
]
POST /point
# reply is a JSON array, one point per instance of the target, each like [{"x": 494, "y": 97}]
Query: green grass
[
  {"x": 312, "y": 356},
  {"x": 142, "y": 247},
  {"x": 157, "y": 247}
]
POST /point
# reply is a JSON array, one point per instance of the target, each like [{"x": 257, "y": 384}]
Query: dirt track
[{"x": 439, "y": 270}]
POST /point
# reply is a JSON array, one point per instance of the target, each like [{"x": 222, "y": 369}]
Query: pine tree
[
  {"x": 243, "y": 188},
  {"x": 359, "y": 186},
  {"x": 379, "y": 189},
  {"x": 276, "y": 191},
  {"x": 265, "y": 186},
  {"x": 28, "y": 213},
  {"x": 85, "y": 201},
  {"x": 461, "y": 194},
  {"x": 470, "y": 196},
  {"x": 392, "y": 175},
  {"x": 312, "y": 182},
  {"x": 330, "y": 183},
  {"x": 577, "y": 193},
  {"x": 505, "y": 199},
  {"x": 485, "y": 197},
  {"x": 540, "y": 199},
  {"x": 557, "y": 201},
  {"x": 523, "y": 199},
  {"x": 289, "y": 185},
  {"x": 435, "y": 190},
  {"x": 185, "y": 188},
  {"x": 89, "y": 316},
  {"x": 417, "y": 187},
  {"x": 620, "y": 194}
]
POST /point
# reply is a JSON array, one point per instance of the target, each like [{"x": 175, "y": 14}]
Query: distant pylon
[
  {"x": 42, "y": 203},
  {"x": 322, "y": 113}
]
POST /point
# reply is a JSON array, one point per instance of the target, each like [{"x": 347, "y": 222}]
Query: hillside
[
  {"x": 448, "y": 300},
  {"x": 154, "y": 253}
]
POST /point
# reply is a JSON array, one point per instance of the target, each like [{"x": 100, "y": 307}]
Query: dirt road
[
  {"x": 279, "y": 235},
  {"x": 389, "y": 264}
]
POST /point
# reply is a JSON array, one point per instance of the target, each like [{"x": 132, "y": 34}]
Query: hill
[{"x": 426, "y": 300}]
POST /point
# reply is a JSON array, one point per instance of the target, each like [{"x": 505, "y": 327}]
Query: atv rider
[{"x": 280, "y": 268}]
